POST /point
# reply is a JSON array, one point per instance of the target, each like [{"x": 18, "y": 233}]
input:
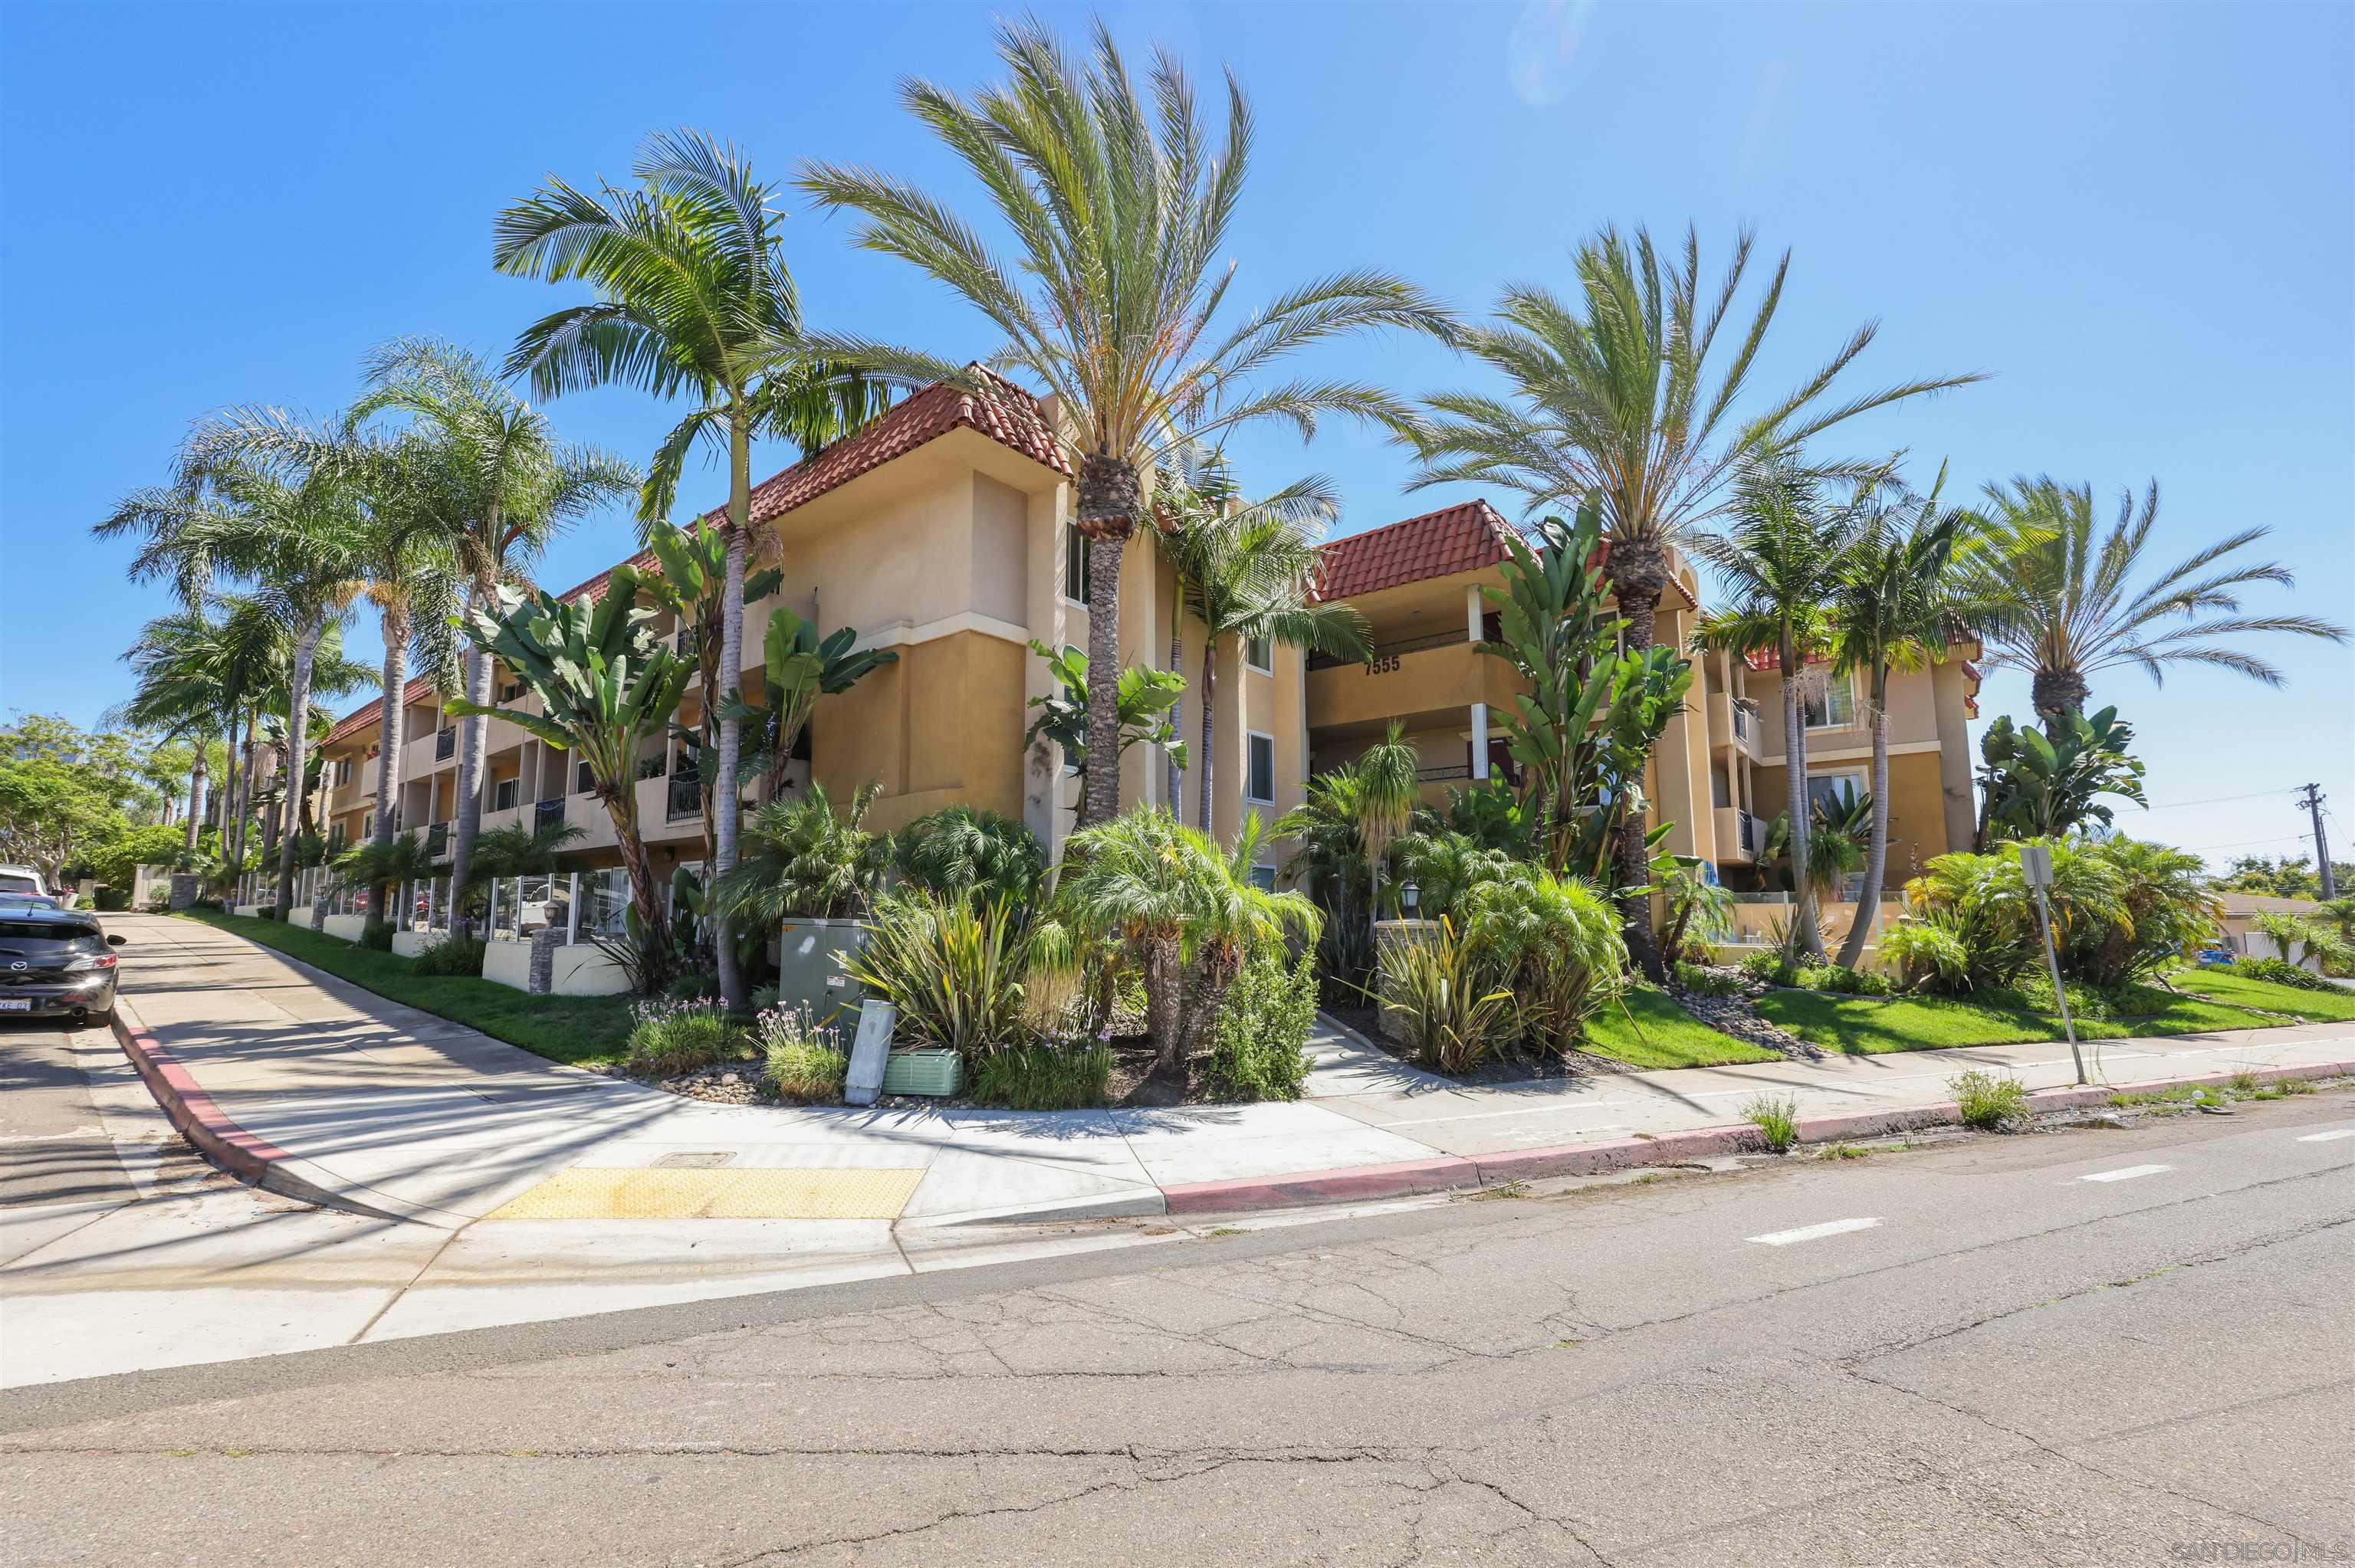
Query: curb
[
  {"x": 253, "y": 1161},
  {"x": 1358, "y": 1183}
]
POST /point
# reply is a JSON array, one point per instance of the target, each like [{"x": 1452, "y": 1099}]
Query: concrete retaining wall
[
  {"x": 509, "y": 963},
  {"x": 348, "y": 927}
]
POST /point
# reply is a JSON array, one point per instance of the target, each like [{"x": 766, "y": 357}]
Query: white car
[{"x": 23, "y": 879}]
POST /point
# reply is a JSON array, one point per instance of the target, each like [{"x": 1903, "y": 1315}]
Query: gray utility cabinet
[{"x": 810, "y": 972}]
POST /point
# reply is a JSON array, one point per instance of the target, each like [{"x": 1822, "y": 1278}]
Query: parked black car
[{"x": 55, "y": 962}]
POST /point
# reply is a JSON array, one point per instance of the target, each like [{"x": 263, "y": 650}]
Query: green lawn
[
  {"x": 1867, "y": 1025},
  {"x": 1662, "y": 1035},
  {"x": 560, "y": 1028},
  {"x": 2322, "y": 1006}
]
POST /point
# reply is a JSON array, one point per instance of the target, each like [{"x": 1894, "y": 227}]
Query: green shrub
[
  {"x": 1843, "y": 982},
  {"x": 967, "y": 852},
  {"x": 1707, "y": 981},
  {"x": 1553, "y": 943},
  {"x": 955, "y": 972},
  {"x": 377, "y": 934},
  {"x": 2281, "y": 972},
  {"x": 1987, "y": 1102},
  {"x": 804, "y": 1061},
  {"x": 765, "y": 997},
  {"x": 1259, "y": 1042},
  {"x": 674, "y": 1037},
  {"x": 693, "y": 987},
  {"x": 1777, "y": 1119},
  {"x": 452, "y": 956},
  {"x": 1772, "y": 967},
  {"x": 1929, "y": 951},
  {"x": 1045, "y": 1077},
  {"x": 1454, "y": 1012}
]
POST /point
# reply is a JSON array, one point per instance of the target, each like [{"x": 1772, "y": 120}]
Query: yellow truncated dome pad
[{"x": 637, "y": 1193}]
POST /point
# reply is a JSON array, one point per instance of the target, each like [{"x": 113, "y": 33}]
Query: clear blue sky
[{"x": 2138, "y": 217}]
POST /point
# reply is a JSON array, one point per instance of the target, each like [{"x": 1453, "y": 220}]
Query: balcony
[
  {"x": 437, "y": 841},
  {"x": 547, "y": 814},
  {"x": 1424, "y": 676},
  {"x": 1732, "y": 723},
  {"x": 445, "y": 745},
  {"x": 1739, "y": 836},
  {"x": 683, "y": 798}
]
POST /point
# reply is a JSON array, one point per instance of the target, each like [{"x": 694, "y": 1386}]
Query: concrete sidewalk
[{"x": 477, "y": 1184}]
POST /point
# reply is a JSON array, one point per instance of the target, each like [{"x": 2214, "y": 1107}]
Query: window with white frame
[
  {"x": 1834, "y": 706},
  {"x": 1076, "y": 576},
  {"x": 1259, "y": 653},
  {"x": 503, "y": 794},
  {"x": 1259, "y": 769},
  {"x": 1835, "y": 791}
]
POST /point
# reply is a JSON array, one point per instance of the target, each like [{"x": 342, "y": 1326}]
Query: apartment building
[
  {"x": 1718, "y": 775},
  {"x": 942, "y": 532}
]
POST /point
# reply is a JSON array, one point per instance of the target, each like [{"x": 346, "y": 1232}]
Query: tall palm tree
[
  {"x": 179, "y": 692},
  {"x": 695, "y": 301},
  {"x": 1121, "y": 209},
  {"x": 2078, "y": 615},
  {"x": 1917, "y": 577},
  {"x": 1614, "y": 403},
  {"x": 1248, "y": 570},
  {"x": 1780, "y": 560},
  {"x": 493, "y": 486}
]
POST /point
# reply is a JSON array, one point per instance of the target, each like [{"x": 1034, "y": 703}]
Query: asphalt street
[
  {"x": 2100, "y": 1346},
  {"x": 53, "y": 1146}
]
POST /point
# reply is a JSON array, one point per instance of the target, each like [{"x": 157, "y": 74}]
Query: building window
[
  {"x": 1258, "y": 773},
  {"x": 1835, "y": 791},
  {"x": 1076, "y": 576},
  {"x": 581, "y": 782},
  {"x": 1259, "y": 652},
  {"x": 1263, "y": 878},
  {"x": 1834, "y": 706},
  {"x": 503, "y": 794},
  {"x": 367, "y": 825},
  {"x": 511, "y": 690},
  {"x": 343, "y": 771}
]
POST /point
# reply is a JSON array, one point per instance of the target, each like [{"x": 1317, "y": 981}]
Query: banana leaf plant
[
  {"x": 607, "y": 686},
  {"x": 797, "y": 667}
]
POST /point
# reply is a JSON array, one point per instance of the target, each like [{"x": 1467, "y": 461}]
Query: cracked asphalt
[{"x": 2013, "y": 1363}]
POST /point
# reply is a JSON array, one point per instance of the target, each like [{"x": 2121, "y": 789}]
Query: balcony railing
[
  {"x": 1741, "y": 722},
  {"x": 445, "y": 745},
  {"x": 1748, "y": 834},
  {"x": 546, "y": 814},
  {"x": 437, "y": 841},
  {"x": 1389, "y": 651},
  {"x": 685, "y": 798},
  {"x": 1442, "y": 775}
]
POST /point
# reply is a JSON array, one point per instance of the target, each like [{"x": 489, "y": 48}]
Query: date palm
[
  {"x": 695, "y": 301},
  {"x": 1780, "y": 560},
  {"x": 1120, "y": 207},
  {"x": 1248, "y": 570},
  {"x": 501, "y": 487},
  {"x": 1918, "y": 576},
  {"x": 2079, "y": 614}
]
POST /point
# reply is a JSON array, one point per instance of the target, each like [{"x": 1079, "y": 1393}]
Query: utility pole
[{"x": 2313, "y": 804}]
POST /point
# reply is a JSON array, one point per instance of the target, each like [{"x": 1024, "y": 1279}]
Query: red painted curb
[
  {"x": 1618, "y": 1153},
  {"x": 192, "y": 1110},
  {"x": 1354, "y": 1184}
]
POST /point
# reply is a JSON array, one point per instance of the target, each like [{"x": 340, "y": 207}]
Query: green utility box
[
  {"x": 926, "y": 1070},
  {"x": 810, "y": 971}
]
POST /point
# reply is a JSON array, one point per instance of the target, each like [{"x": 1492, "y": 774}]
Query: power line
[
  {"x": 2243, "y": 843},
  {"x": 2213, "y": 800}
]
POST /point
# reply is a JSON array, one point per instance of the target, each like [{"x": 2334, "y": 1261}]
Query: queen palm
[
  {"x": 179, "y": 692},
  {"x": 1613, "y": 402},
  {"x": 1120, "y": 208},
  {"x": 1248, "y": 570},
  {"x": 695, "y": 301},
  {"x": 2077, "y": 613},
  {"x": 1918, "y": 576},
  {"x": 494, "y": 487},
  {"x": 1780, "y": 560}
]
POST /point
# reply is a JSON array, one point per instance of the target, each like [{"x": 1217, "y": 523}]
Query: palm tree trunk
[
  {"x": 1795, "y": 794},
  {"x": 1876, "y": 857},
  {"x": 474, "y": 735},
  {"x": 298, "y": 710},
  {"x": 1165, "y": 987},
  {"x": 388, "y": 721},
  {"x": 1110, "y": 499},
  {"x": 243, "y": 802},
  {"x": 195, "y": 795},
  {"x": 719, "y": 788},
  {"x": 1176, "y": 664},
  {"x": 1209, "y": 730},
  {"x": 1639, "y": 602}
]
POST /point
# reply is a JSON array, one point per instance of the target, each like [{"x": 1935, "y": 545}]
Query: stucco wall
[{"x": 1917, "y": 806}]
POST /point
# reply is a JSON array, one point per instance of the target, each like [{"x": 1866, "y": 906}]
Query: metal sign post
[{"x": 2036, "y": 865}]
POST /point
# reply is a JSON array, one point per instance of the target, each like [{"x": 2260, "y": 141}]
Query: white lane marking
[
  {"x": 2125, "y": 1173},
  {"x": 2331, "y": 1137},
  {"x": 1809, "y": 1233}
]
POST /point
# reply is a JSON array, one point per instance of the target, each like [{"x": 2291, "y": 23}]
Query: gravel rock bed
[{"x": 1737, "y": 1016}]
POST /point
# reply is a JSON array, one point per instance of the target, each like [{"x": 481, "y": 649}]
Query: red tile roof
[{"x": 1440, "y": 544}]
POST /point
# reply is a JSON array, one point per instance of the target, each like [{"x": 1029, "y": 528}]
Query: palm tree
[
  {"x": 1614, "y": 404},
  {"x": 1120, "y": 210},
  {"x": 2078, "y": 616},
  {"x": 175, "y": 660},
  {"x": 695, "y": 301},
  {"x": 1918, "y": 576},
  {"x": 1781, "y": 560},
  {"x": 1249, "y": 571},
  {"x": 495, "y": 487}
]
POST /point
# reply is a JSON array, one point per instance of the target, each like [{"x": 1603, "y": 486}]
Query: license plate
[{"x": 16, "y": 1004}]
